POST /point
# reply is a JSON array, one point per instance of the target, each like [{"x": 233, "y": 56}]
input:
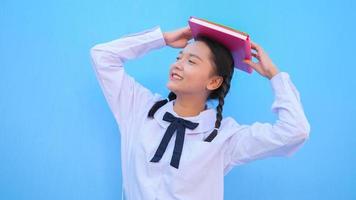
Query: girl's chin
[{"x": 172, "y": 87}]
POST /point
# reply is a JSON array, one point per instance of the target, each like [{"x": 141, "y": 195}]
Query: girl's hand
[
  {"x": 264, "y": 66},
  {"x": 178, "y": 38}
]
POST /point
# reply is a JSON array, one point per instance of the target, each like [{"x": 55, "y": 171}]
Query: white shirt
[{"x": 203, "y": 164}]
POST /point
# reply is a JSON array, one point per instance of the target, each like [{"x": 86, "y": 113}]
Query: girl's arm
[
  {"x": 285, "y": 136},
  {"x": 124, "y": 95}
]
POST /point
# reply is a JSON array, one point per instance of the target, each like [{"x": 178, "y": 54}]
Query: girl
[{"x": 180, "y": 147}]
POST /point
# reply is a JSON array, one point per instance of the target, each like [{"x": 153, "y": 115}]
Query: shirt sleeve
[
  {"x": 283, "y": 138},
  {"x": 124, "y": 95}
]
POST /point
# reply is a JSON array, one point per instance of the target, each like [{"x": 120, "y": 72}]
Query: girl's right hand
[{"x": 178, "y": 38}]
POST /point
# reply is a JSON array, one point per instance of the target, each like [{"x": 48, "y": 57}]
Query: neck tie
[{"x": 179, "y": 125}]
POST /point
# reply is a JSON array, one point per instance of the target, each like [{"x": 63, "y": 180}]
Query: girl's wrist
[
  {"x": 272, "y": 73},
  {"x": 165, "y": 37}
]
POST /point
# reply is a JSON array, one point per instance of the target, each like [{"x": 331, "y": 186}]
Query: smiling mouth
[{"x": 175, "y": 76}]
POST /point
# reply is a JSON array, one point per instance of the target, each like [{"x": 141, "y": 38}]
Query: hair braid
[
  {"x": 225, "y": 86},
  {"x": 159, "y": 104}
]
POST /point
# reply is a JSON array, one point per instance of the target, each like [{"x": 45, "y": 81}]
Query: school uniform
[{"x": 197, "y": 171}]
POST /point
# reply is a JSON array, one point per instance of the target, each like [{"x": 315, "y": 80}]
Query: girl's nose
[{"x": 178, "y": 64}]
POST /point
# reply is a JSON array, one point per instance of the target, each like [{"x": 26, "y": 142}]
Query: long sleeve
[
  {"x": 283, "y": 138},
  {"x": 125, "y": 96}
]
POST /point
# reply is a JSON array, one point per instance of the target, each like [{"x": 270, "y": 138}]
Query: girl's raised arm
[
  {"x": 282, "y": 138},
  {"x": 125, "y": 96}
]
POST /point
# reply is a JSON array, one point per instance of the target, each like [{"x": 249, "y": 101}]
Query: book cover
[{"x": 236, "y": 41}]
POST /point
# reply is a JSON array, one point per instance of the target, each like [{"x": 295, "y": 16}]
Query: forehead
[{"x": 197, "y": 48}]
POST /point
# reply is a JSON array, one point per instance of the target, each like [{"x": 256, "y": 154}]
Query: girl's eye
[{"x": 177, "y": 58}]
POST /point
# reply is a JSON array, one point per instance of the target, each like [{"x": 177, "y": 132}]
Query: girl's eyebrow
[{"x": 193, "y": 55}]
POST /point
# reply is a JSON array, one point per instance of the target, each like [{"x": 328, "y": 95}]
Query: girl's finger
[
  {"x": 255, "y": 55},
  {"x": 186, "y": 29},
  {"x": 249, "y": 62},
  {"x": 255, "y": 46},
  {"x": 255, "y": 66},
  {"x": 188, "y": 33},
  {"x": 253, "y": 43}
]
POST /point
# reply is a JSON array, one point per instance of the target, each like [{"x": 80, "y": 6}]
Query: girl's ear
[{"x": 215, "y": 82}]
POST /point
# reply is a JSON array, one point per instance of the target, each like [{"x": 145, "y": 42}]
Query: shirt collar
[{"x": 206, "y": 118}]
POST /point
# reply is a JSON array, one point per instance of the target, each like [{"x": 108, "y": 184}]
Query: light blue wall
[{"x": 58, "y": 138}]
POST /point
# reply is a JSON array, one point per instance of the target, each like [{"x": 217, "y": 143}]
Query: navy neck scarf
[{"x": 179, "y": 125}]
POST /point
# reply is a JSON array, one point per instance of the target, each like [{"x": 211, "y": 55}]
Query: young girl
[{"x": 181, "y": 147}]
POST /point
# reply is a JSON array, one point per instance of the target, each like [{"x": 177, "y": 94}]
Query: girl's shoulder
[
  {"x": 229, "y": 123},
  {"x": 229, "y": 126}
]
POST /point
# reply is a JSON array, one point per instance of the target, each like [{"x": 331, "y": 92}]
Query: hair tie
[
  {"x": 217, "y": 129},
  {"x": 167, "y": 99}
]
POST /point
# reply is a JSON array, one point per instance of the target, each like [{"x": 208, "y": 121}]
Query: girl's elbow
[
  {"x": 294, "y": 132},
  {"x": 94, "y": 51},
  {"x": 303, "y": 129},
  {"x": 99, "y": 55}
]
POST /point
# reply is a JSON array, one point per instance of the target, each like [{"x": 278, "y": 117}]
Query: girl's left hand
[{"x": 264, "y": 66}]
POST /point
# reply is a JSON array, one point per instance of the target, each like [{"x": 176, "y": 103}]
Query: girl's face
[{"x": 193, "y": 72}]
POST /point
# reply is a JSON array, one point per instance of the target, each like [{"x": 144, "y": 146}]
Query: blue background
[{"x": 59, "y": 140}]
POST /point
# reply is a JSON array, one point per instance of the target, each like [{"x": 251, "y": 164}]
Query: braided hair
[{"x": 223, "y": 65}]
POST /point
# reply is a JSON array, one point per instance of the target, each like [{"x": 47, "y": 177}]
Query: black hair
[{"x": 223, "y": 65}]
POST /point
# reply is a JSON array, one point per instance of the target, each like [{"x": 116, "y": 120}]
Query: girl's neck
[{"x": 189, "y": 107}]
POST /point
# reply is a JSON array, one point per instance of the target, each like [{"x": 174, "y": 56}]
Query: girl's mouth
[{"x": 175, "y": 76}]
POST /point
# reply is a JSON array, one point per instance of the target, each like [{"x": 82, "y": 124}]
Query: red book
[{"x": 236, "y": 41}]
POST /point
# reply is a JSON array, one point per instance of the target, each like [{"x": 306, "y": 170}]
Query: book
[{"x": 236, "y": 41}]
